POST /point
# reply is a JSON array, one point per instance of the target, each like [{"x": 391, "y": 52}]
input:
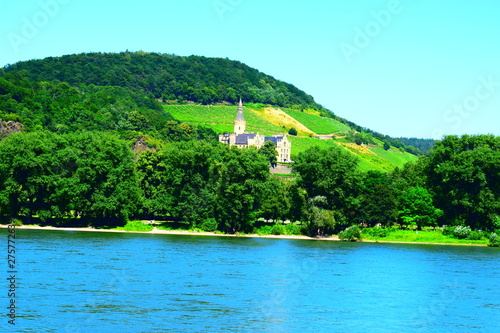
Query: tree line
[{"x": 96, "y": 178}]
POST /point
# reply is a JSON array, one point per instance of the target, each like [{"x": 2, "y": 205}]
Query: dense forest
[
  {"x": 168, "y": 77},
  {"x": 96, "y": 148},
  {"x": 424, "y": 145}
]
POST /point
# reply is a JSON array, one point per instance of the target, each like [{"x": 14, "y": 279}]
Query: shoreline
[{"x": 212, "y": 234}]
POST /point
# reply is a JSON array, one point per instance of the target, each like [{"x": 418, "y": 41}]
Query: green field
[
  {"x": 220, "y": 118},
  {"x": 394, "y": 157},
  {"x": 317, "y": 124}
]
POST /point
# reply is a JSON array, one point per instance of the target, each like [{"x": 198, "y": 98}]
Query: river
[{"x": 121, "y": 282}]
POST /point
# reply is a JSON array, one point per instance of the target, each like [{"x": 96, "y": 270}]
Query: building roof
[
  {"x": 242, "y": 139},
  {"x": 239, "y": 115},
  {"x": 274, "y": 139}
]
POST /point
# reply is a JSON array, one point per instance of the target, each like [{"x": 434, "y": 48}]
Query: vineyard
[
  {"x": 267, "y": 120},
  {"x": 220, "y": 118},
  {"x": 317, "y": 124}
]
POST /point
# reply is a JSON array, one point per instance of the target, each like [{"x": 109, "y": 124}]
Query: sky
[{"x": 405, "y": 68}]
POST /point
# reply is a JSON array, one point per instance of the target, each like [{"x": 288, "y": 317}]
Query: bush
[
  {"x": 209, "y": 225},
  {"x": 350, "y": 234},
  {"x": 377, "y": 232},
  {"x": 448, "y": 231},
  {"x": 494, "y": 240},
  {"x": 278, "y": 229},
  {"x": 136, "y": 226},
  {"x": 16, "y": 222},
  {"x": 461, "y": 232},
  {"x": 475, "y": 235},
  {"x": 264, "y": 230},
  {"x": 293, "y": 229}
]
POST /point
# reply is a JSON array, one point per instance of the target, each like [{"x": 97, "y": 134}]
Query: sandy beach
[{"x": 211, "y": 234}]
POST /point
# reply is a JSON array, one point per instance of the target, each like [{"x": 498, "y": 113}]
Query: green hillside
[
  {"x": 323, "y": 126},
  {"x": 162, "y": 98},
  {"x": 220, "y": 118}
]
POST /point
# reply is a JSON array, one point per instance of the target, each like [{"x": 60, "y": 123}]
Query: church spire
[
  {"x": 239, "y": 115},
  {"x": 240, "y": 123}
]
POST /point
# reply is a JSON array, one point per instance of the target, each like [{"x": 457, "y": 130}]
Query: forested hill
[
  {"x": 425, "y": 145},
  {"x": 124, "y": 92},
  {"x": 169, "y": 77}
]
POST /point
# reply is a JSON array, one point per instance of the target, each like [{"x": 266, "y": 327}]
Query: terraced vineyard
[
  {"x": 220, "y": 118},
  {"x": 269, "y": 121},
  {"x": 317, "y": 124}
]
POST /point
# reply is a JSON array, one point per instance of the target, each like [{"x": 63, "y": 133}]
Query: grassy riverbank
[
  {"x": 430, "y": 236},
  {"x": 287, "y": 232},
  {"x": 424, "y": 236}
]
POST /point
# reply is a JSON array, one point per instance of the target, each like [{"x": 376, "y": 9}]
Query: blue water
[{"x": 111, "y": 282}]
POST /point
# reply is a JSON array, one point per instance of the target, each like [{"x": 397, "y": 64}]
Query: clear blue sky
[{"x": 418, "y": 68}]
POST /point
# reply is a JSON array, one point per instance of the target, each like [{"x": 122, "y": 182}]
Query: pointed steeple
[
  {"x": 239, "y": 122},
  {"x": 239, "y": 115}
]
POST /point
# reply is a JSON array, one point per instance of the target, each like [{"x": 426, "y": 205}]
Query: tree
[
  {"x": 331, "y": 173},
  {"x": 275, "y": 199},
  {"x": 417, "y": 208},
  {"x": 178, "y": 182},
  {"x": 464, "y": 174},
  {"x": 269, "y": 151},
  {"x": 242, "y": 175},
  {"x": 378, "y": 203},
  {"x": 293, "y": 131},
  {"x": 85, "y": 175},
  {"x": 319, "y": 218},
  {"x": 387, "y": 146}
]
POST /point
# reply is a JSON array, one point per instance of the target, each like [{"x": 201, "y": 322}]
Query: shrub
[
  {"x": 278, "y": 229},
  {"x": 377, "y": 232},
  {"x": 293, "y": 229},
  {"x": 136, "y": 226},
  {"x": 494, "y": 240},
  {"x": 475, "y": 235},
  {"x": 350, "y": 234},
  {"x": 209, "y": 225},
  {"x": 264, "y": 230},
  {"x": 448, "y": 231},
  {"x": 461, "y": 232},
  {"x": 16, "y": 222}
]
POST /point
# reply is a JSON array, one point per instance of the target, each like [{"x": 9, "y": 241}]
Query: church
[{"x": 242, "y": 139}]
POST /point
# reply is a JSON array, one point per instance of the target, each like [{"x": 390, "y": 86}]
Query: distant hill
[{"x": 425, "y": 145}]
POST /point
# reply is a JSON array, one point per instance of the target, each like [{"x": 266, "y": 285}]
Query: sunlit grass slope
[
  {"x": 220, "y": 118},
  {"x": 317, "y": 124}
]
